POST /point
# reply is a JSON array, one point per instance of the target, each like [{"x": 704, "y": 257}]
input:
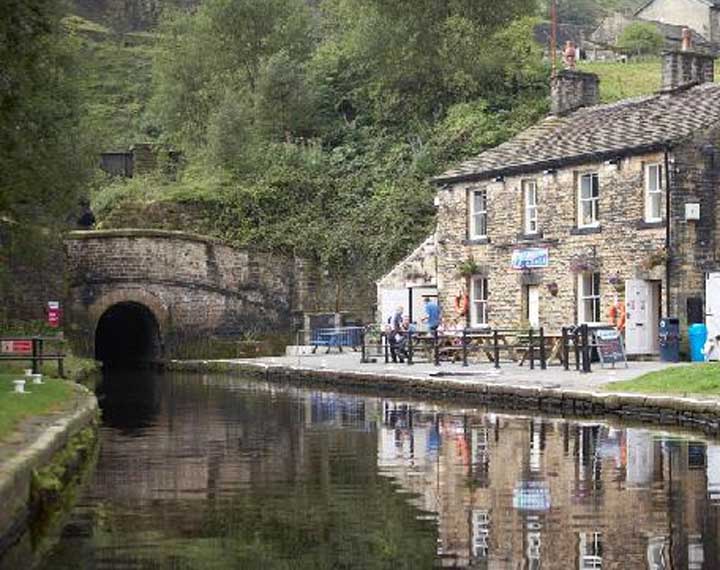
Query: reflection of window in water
[
  {"x": 480, "y": 454},
  {"x": 656, "y": 553},
  {"x": 533, "y": 541},
  {"x": 536, "y": 445},
  {"x": 696, "y": 556},
  {"x": 590, "y": 550},
  {"x": 696, "y": 455},
  {"x": 480, "y": 533}
]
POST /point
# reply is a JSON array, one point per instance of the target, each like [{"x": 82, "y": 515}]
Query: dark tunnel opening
[{"x": 127, "y": 335}]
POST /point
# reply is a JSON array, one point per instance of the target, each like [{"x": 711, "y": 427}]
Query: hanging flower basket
[
  {"x": 583, "y": 264},
  {"x": 656, "y": 258},
  {"x": 468, "y": 268}
]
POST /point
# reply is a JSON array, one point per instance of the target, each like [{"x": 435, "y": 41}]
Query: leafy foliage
[
  {"x": 641, "y": 38},
  {"x": 41, "y": 149}
]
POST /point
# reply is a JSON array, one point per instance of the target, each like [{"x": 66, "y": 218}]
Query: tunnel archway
[{"x": 127, "y": 334}]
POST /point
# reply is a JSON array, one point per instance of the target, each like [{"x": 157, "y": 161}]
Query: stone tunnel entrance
[{"x": 127, "y": 334}]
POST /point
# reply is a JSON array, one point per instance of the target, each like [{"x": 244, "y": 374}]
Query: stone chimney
[
  {"x": 570, "y": 90},
  {"x": 686, "y": 67}
]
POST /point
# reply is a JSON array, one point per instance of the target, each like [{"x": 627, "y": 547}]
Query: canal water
[{"x": 216, "y": 472}]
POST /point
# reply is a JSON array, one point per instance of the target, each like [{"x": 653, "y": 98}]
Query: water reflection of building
[{"x": 521, "y": 492}]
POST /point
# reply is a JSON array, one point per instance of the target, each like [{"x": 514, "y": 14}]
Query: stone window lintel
[{"x": 586, "y": 231}]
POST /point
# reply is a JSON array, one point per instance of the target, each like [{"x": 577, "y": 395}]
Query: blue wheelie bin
[{"x": 697, "y": 336}]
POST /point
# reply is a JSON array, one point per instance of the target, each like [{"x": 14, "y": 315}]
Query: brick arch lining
[{"x": 126, "y": 295}]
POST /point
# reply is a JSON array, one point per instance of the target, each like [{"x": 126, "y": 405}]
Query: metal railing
[
  {"x": 35, "y": 350},
  {"x": 497, "y": 344}
]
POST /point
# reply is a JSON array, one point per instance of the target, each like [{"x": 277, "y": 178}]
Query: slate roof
[
  {"x": 714, "y": 3},
  {"x": 601, "y": 132}
]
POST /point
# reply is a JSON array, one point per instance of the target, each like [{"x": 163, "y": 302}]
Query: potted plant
[{"x": 553, "y": 288}]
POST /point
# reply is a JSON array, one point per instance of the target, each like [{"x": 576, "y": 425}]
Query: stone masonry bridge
[{"x": 151, "y": 294}]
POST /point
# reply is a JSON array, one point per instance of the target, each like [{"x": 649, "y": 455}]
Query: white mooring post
[{"x": 19, "y": 386}]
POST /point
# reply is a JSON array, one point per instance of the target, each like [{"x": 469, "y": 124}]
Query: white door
[
  {"x": 642, "y": 301},
  {"x": 533, "y": 306},
  {"x": 391, "y": 299},
  {"x": 418, "y": 304},
  {"x": 712, "y": 304}
]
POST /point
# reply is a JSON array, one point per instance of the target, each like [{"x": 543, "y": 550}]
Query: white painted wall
[{"x": 694, "y": 14}]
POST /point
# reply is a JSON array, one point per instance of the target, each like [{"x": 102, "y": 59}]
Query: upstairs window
[
  {"x": 589, "y": 297},
  {"x": 479, "y": 296},
  {"x": 530, "y": 214},
  {"x": 478, "y": 214},
  {"x": 588, "y": 201},
  {"x": 653, "y": 193}
]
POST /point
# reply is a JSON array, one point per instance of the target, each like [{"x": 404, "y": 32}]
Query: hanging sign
[
  {"x": 53, "y": 314},
  {"x": 530, "y": 258}
]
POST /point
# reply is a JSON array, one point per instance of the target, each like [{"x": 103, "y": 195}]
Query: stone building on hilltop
[{"x": 593, "y": 207}]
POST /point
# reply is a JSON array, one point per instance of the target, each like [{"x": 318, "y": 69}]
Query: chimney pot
[{"x": 687, "y": 41}]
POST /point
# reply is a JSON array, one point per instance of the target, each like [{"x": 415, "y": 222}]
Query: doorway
[
  {"x": 531, "y": 305},
  {"x": 642, "y": 305}
]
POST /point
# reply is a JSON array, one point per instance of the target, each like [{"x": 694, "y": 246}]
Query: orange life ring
[
  {"x": 618, "y": 316},
  {"x": 462, "y": 303}
]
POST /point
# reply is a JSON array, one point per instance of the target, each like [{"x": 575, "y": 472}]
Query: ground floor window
[
  {"x": 479, "y": 296},
  {"x": 589, "y": 297}
]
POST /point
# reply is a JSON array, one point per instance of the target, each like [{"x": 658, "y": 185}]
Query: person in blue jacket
[{"x": 432, "y": 314}]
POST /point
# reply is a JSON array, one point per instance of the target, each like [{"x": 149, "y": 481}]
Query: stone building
[
  {"x": 594, "y": 206},
  {"x": 703, "y": 16}
]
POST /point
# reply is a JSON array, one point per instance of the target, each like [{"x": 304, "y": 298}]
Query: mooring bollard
[{"x": 19, "y": 386}]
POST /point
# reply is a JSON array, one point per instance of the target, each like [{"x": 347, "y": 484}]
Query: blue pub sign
[{"x": 530, "y": 258}]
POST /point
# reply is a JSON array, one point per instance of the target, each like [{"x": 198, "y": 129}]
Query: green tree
[
  {"x": 641, "y": 38},
  {"x": 42, "y": 159}
]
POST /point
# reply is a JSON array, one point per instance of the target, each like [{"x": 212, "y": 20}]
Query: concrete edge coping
[
  {"x": 49, "y": 442},
  {"x": 609, "y": 401},
  {"x": 81, "y": 235}
]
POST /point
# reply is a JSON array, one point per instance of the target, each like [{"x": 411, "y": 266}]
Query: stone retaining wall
[
  {"x": 659, "y": 410},
  {"x": 16, "y": 473}
]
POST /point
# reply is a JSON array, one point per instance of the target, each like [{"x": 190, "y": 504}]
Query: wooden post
[
  {"x": 464, "y": 347},
  {"x": 531, "y": 349},
  {"x": 409, "y": 347},
  {"x": 585, "y": 350},
  {"x": 363, "y": 353},
  {"x": 543, "y": 356},
  {"x": 576, "y": 346},
  {"x": 386, "y": 346},
  {"x": 35, "y": 350},
  {"x": 496, "y": 349},
  {"x": 436, "y": 348},
  {"x": 565, "y": 349}
]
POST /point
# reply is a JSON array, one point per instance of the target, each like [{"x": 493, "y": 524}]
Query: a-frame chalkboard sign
[{"x": 610, "y": 347}]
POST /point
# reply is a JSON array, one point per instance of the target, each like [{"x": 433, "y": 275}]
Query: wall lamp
[
  {"x": 550, "y": 171},
  {"x": 500, "y": 178}
]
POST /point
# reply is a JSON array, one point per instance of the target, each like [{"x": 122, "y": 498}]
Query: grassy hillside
[
  {"x": 115, "y": 81},
  {"x": 622, "y": 80}
]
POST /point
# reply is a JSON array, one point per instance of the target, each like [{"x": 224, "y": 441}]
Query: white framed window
[
  {"x": 653, "y": 192},
  {"x": 479, "y": 297},
  {"x": 588, "y": 200},
  {"x": 530, "y": 202},
  {"x": 588, "y": 297},
  {"x": 478, "y": 214}
]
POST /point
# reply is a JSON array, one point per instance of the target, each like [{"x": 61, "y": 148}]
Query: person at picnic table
[
  {"x": 432, "y": 314},
  {"x": 402, "y": 337},
  {"x": 394, "y": 332}
]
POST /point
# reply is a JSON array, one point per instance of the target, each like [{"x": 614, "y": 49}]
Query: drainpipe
[{"x": 668, "y": 211}]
